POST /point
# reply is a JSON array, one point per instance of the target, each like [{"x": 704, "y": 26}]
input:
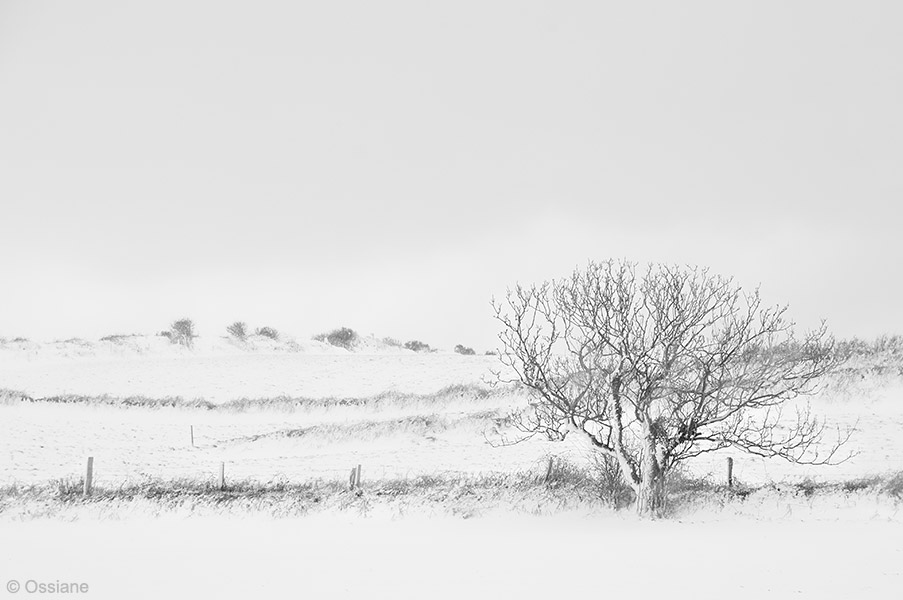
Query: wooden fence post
[
  {"x": 89, "y": 476},
  {"x": 222, "y": 476},
  {"x": 354, "y": 480},
  {"x": 730, "y": 472}
]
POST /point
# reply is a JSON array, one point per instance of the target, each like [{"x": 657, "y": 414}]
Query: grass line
[
  {"x": 565, "y": 488},
  {"x": 460, "y": 392}
]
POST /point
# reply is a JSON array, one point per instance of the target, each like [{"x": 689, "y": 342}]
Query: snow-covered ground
[
  {"x": 46, "y": 441},
  {"x": 43, "y": 441},
  {"x": 397, "y": 437},
  {"x": 565, "y": 556},
  {"x": 220, "y": 369}
]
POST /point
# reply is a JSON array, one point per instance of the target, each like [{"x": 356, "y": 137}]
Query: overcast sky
[{"x": 390, "y": 166}]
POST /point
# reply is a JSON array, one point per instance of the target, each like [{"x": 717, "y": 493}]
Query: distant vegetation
[
  {"x": 464, "y": 350},
  {"x": 118, "y": 337},
  {"x": 182, "y": 332},
  {"x": 885, "y": 344},
  {"x": 238, "y": 330},
  {"x": 267, "y": 332},
  {"x": 418, "y": 346},
  {"x": 343, "y": 337}
]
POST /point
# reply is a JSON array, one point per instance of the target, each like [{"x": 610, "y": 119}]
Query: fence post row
[{"x": 354, "y": 480}]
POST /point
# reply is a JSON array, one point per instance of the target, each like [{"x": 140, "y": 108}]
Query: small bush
[
  {"x": 464, "y": 350},
  {"x": 892, "y": 344},
  {"x": 388, "y": 341},
  {"x": 846, "y": 349},
  {"x": 680, "y": 482},
  {"x": 561, "y": 472},
  {"x": 342, "y": 338},
  {"x": 118, "y": 337},
  {"x": 894, "y": 485},
  {"x": 613, "y": 488},
  {"x": 417, "y": 346},
  {"x": 490, "y": 353},
  {"x": 857, "y": 485},
  {"x": 807, "y": 487},
  {"x": 68, "y": 488},
  {"x": 267, "y": 332},
  {"x": 238, "y": 330},
  {"x": 182, "y": 332}
]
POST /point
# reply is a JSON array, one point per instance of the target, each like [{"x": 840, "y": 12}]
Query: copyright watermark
[{"x": 35, "y": 586}]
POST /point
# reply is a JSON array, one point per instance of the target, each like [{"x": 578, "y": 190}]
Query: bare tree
[
  {"x": 658, "y": 369},
  {"x": 182, "y": 332}
]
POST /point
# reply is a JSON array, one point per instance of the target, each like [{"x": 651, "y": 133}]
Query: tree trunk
[
  {"x": 650, "y": 493},
  {"x": 650, "y": 496}
]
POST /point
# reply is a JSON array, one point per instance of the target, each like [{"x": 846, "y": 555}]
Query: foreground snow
[{"x": 524, "y": 557}]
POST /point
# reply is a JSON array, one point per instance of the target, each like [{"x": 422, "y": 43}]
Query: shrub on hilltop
[
  {"x": 238, "y": 330},
  {"x": 343, "y": 337},
  {"x": 460, "y": 349},
  {"x": 418, "y": 346},
  {"x": 267, "y": 332},
  {"x": 182, "y": 332}
]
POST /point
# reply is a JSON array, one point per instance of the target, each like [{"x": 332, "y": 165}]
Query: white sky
[{"x": 391, "y": 165}]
